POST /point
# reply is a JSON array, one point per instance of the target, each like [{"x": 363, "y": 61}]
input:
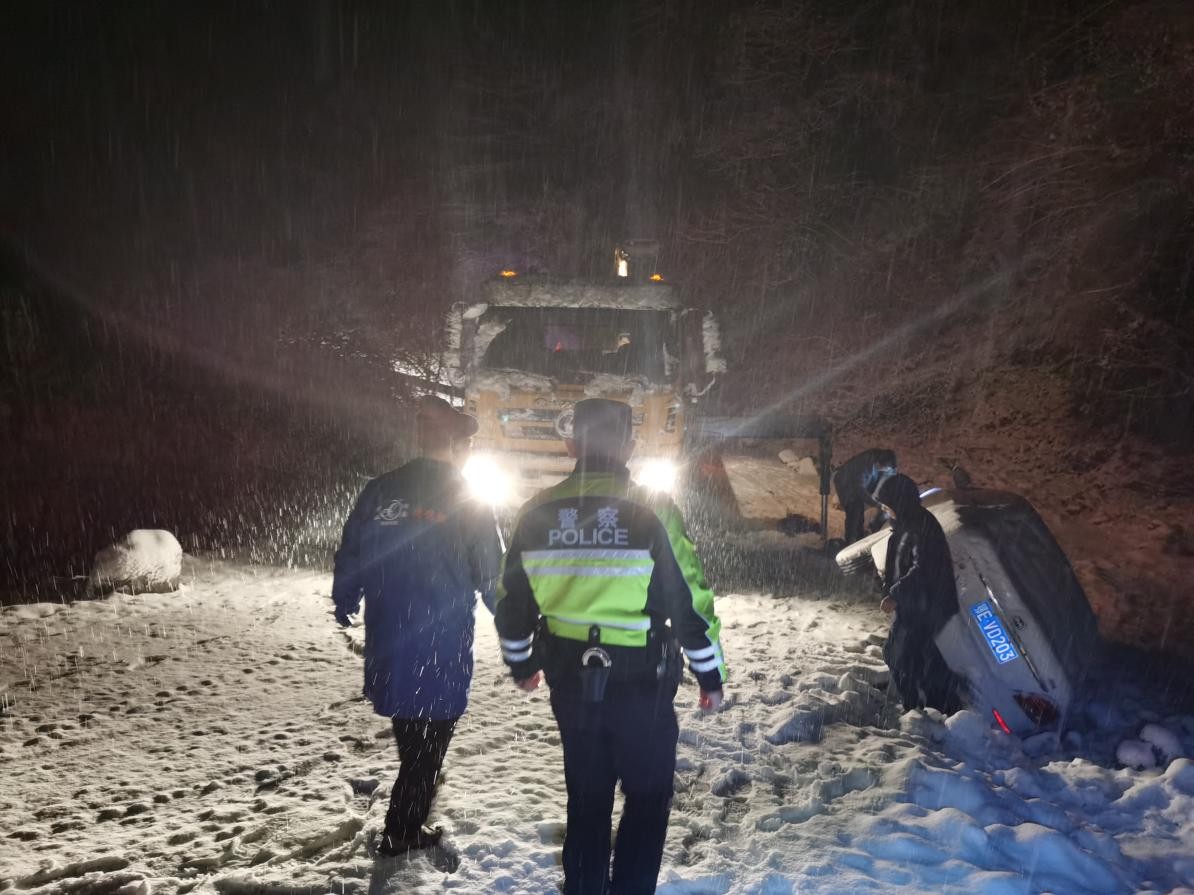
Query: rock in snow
[
  {"x": 145, "y": 560},
  {"x": 1135, "y": 754},
  {"x": 1164, "y": 742}
]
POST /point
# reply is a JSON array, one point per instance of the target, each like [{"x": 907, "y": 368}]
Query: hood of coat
[{"x": 900, "y": 494}]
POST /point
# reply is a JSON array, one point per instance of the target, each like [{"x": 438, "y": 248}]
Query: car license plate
[{"x": 992, "y": 627}]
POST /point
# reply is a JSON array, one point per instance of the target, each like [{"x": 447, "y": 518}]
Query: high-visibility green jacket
[{"x": 597, "y": 550}]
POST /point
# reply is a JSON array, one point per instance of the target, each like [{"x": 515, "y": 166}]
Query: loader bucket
[{"x": 765, "y": 472}]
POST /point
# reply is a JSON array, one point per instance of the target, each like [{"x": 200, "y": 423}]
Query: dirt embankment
[{"x": 1121, "y": 507}]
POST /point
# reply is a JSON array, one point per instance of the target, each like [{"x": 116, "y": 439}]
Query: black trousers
[
  {"x": 422, "y": 745},
  {"x": 855, "y": 520},
  {"x": 630, "y": 737},
  {"x": 918, "y": 670}
]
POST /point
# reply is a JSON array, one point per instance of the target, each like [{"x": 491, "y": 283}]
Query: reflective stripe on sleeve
[
  {"x": 707, "y": 665},
  {"x": 512, "y": 656},
  {"x": 697, "y": 654},
  {"x": 516, "y": 644}
]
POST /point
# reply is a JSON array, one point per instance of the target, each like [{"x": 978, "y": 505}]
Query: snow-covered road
[{"x": 214, "y": 740}]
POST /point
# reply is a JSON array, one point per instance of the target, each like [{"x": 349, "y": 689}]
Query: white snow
[
  {"x": 537, "y": 292},
  {"x": 801, "y": 465},
  {"x": 503, "y": 382},
  {"x": 711, "y": 340},
  {"x": 453, "y": 335},
  {"x": 486, "y": 332},
  {"x": 1135, "y": 754},
  {"x": 1164, "y": 742},
  {"x": 215, "y": 741},
  {"x": 631, "y": 389},
  {"x": 143, "y": 560}
]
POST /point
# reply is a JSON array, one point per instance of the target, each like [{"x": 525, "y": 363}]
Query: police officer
[
  {"x": 418, "y": 551},
  {"x": 595, "y": 569}
]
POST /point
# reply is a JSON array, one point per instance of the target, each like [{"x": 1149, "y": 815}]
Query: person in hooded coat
[
  {"x": 920, "y": 588},
  {"x": 854, "y": 481},
  {"x": 418, "y": 550}
]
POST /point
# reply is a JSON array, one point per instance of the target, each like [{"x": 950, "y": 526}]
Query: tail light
[
  {"x": 999, "y": 720},
  {"x": 1040, "y": 709}
]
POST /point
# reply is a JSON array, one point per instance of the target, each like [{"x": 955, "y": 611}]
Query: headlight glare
[
  {"x": 657, "y": 474},
  {"x": 487, "y": 481}
]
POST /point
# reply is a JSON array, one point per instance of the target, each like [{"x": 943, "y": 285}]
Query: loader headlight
[
  {"x": 657, "y": 474},
  {"x": 487, "y": 481}
]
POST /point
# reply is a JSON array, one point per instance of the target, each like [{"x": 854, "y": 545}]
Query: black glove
[
  {"x": 709, "y": 681},
  {"x": 343, "y": 619}
]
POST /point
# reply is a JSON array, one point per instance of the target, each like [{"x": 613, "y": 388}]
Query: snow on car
[{"x": 1024, "y": 632}]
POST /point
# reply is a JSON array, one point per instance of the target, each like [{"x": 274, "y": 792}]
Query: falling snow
[{"x": 238, "y": 240}]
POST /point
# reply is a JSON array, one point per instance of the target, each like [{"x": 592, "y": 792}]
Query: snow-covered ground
[{"x": 214, "y": 741}]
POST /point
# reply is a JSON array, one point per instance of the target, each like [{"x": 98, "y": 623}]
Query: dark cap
[
  {"x": 601, "y": 425},
  {"x": 444, "y": 416}
]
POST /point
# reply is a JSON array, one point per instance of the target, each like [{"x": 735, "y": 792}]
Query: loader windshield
[{"x": 574, "y": 344}]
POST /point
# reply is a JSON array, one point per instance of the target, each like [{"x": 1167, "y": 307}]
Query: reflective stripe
[
  {"x": 591, "y": 571},
  {"x": 644, "y": 625},
  {"x": 511, "y": 656},
  {"x": 708, "y": 665},
  {"x": 594, "y": 553},
  {"x": 702, "y": 653},
  {"x": 516, "y": 644}
]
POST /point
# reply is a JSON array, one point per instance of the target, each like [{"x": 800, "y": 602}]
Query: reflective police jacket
[{"x": 596, "y": 558}]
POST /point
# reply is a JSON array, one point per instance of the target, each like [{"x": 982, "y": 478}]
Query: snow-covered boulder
[
  {"x": 144, "y": 560},
  {"x": 1135, "y": 754},
  {"x": 800, "y": 465},
  {"x": 1164, "y": 741}
]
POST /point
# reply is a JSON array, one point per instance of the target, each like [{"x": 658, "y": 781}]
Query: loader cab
[
  {"x": 573, "y": 345},
  {"x": 532, "y": 347}
]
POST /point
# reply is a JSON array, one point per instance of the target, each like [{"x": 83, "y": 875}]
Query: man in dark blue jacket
[
  {"x": 855, "y": 481},
  {"x": 418, "y": 550}
]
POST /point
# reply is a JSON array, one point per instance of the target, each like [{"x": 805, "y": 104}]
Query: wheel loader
[{"x": 530, "y": 347}]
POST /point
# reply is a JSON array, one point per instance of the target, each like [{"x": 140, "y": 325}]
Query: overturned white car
[{"x": 1024, "y": 633}]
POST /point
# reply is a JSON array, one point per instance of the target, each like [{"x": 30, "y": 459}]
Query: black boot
[{"x": 392, "y": 845}]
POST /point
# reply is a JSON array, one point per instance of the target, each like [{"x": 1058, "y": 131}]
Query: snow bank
[{"x": 145, "y": 560}]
